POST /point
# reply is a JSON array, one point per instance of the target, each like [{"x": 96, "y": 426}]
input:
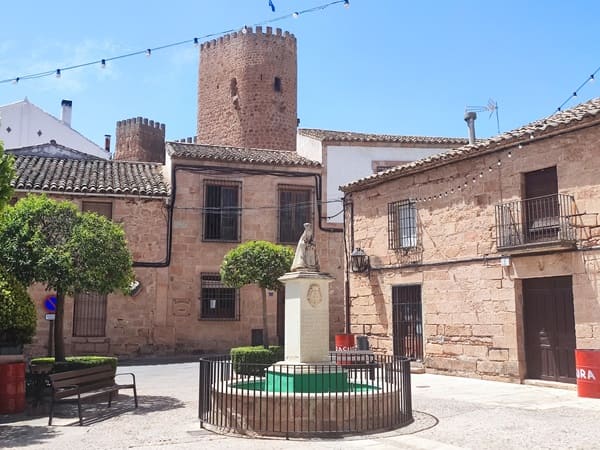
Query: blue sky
[{"x": 388, "y": 66}]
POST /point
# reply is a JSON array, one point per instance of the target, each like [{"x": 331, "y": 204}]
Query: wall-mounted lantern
[{"x": 359, "y": 260}]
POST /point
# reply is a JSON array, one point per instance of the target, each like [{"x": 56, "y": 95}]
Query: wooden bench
[{"x": 83, "y": 384}]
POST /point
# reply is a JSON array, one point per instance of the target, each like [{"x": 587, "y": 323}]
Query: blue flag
[{"x": 272, "y": 5}]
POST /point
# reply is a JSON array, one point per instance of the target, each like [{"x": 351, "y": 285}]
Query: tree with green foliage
[
  {"x": 51, "y": 242},
  {"x": 257, "y": 262},
  {"x": 7, "y": 174},
  {"x": 17, "y": 312}
]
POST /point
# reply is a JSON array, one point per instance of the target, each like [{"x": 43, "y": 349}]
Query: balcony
[{"x": 537, "y": 222}]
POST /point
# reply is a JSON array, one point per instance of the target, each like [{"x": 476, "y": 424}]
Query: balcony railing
[{"x": 536, "y": 221}]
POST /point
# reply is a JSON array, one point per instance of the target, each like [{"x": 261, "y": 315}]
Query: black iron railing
[
  {"x": 344, "y": 397},
  {"x": 540, "y": 220}
]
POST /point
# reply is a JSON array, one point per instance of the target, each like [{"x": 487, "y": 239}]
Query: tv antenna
[{"x": 491, "y": 107}]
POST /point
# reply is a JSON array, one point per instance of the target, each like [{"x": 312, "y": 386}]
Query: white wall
[
  {"x": 348, "y": 163},
  {"x": 309, "y": 148},
  {"x": 25, "y": 120}
]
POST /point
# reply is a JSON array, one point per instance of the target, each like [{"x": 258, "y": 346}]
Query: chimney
[
  {"x": 107, "y": 142},
  {"x": 470, "y": 119},
  {"x": 67, "y": 108}
]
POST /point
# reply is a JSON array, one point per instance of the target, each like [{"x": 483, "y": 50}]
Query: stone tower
[
  {"x": 140, "y": 139},
  {"x": 247, "y": 90}
]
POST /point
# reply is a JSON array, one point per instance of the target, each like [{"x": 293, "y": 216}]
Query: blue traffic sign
[{"x": 50, "y": 303}]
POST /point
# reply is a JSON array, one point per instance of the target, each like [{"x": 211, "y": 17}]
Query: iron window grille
[
  {"x": 89, "y": 312},
  {"x": 218, "y": 302},
  {"x": 89, "y": 315},
  {"x": 222, "y": 211},
  {"x": 294, "y": 212},
  {"x": 402, "y": 225}
]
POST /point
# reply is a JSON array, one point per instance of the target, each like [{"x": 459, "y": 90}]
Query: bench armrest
[{"x": 126, "y": 373}]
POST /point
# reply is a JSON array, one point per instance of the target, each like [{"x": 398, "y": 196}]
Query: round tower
[
  {"x": 247, "y": 90},
  {"x": 140, "y": 139}
]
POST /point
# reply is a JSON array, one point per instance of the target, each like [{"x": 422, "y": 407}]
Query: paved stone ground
[{"x": 450, "y": 413}]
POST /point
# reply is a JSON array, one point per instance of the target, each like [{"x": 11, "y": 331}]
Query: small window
[
  {"x": 89, "y": 315},
  {"x": 277, "y": 84},
  {"x": 222, "y": 211},
  {"x": 402, "y": 224},
  {"x": 100, "y": 208},
  {"x": 294, "y": 211},
  {"x": 218, "y": 302}
]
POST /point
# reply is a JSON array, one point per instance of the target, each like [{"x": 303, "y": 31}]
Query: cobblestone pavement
[{"x": 450, "y": 413}]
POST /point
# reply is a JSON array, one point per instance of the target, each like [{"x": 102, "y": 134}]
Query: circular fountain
[{"x": 313, "y": 391}]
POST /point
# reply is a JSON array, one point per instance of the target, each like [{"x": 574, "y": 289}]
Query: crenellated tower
[
  {"x": 140, "y": 139},
  {"x": 247, "y": 90}
]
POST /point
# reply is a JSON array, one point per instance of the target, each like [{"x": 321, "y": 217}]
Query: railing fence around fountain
[{"x": 308, "y": 399}]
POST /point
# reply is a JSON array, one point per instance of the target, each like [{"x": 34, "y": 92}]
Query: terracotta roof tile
[
  {"x": 561, "y": 120},
  {"x": 235, "y": 154},
  {"x": 350, "y": 136},
  {"x": 90, "y": 176}
]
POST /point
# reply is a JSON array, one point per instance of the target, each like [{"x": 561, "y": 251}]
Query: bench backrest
[{"x": 67, "y": 383}]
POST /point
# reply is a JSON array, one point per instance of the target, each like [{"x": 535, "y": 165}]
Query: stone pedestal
[{"x": 306, "y": 317}]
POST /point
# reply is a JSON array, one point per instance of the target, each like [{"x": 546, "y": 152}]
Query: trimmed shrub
[
  {"x": 254, "y": 360},
  {"x": 75, "y": 362},
  {"x": 17, "y": 312}
]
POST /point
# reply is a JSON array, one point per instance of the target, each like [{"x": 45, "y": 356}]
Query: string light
[
  {"x": 103, "y": 64},
  {"x": 195, "y": 41},
  {"x": 499, "y": 163},
  {"x": 589, "y": 79},
  {"x": 16, "y": 80},
  {"x": 510, "y": 154}
]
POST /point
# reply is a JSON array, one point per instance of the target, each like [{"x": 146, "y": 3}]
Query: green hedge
[
  {"x": 254, "y": 360},
  {"x": 75, "y": 362}
]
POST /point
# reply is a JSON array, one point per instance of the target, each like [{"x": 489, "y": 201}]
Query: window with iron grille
[
  {"x": 294, "y": 212},
  {"x": 89, "y": 315},
  {"x": 402, "y": 224},
  {"x": 222, "y": 211},
  {"x": 89, "y": 312},
  {"x": 218, "y": 302}
]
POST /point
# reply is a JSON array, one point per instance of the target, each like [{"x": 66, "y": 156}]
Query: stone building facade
[{"x": 483, "y": 260}]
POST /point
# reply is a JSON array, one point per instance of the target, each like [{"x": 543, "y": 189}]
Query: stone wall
[
  {"x": 193, "y": 256},
  {"x": 472, "y": 306},
  {"x": 239, "y": 103}
]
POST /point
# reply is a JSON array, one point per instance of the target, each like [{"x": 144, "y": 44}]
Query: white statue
[{"x": 305, "y": 259}]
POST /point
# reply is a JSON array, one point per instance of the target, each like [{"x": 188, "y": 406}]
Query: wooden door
[
  {"x": 407, "y": 322},
  {"x": 541, "y": 206},
  {"x": 549, "y": 328}
]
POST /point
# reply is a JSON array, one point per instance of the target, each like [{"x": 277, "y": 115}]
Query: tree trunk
[
  {"x": 59, "y": 345},
  {"x": 264, "y": 314}
]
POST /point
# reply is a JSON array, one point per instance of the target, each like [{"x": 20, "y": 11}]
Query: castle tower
[
  {"x": 247, "y": 90},
  {"x": 140, "y": 139}
]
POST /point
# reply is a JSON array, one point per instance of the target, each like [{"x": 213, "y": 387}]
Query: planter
[
  {"x": 344, "y": 342},
  {"x": 12, "y": 388},
  {"x": 587, "y": 368}
]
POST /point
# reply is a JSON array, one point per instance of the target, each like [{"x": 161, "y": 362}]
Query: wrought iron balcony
[{"x": 534, "y": 222}]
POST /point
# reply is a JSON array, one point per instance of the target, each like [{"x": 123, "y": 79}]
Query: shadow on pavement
[{"x": 22, "y": 435}]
